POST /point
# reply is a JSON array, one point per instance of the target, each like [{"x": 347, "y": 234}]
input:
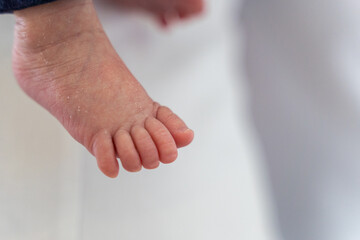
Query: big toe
[{"x": 182, "y": 135}]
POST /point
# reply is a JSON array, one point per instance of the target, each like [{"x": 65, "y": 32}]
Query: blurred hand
[{"x": 166, "y": 11}]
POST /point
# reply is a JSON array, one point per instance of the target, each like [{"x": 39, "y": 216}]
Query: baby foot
[
  {"x": 65, "y": 62},
  {"x": 165, "y": 10}
]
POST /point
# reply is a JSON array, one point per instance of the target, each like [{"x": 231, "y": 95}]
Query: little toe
[
  {"x": 182, "y": 135},
  {"x": 145, "y": 147},
  {"x": 126, "y": 151},
  {"x": 163, "y": 140},
  {"x": 103, "y": 149}
]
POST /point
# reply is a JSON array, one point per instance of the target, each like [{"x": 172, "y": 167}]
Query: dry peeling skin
[{"x": 61, "y": 50}]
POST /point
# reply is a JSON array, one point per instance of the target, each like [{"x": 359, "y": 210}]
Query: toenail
[
  {"x": 138, "y": 168},
  {"x": 154, "y": 165},
  {"x": 188, "y": 131},
  {"x": 134, "y": 170},
  {"x": 170, "y": 158}
]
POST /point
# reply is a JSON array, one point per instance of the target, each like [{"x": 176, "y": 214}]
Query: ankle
[{"x": 48, "y": 24}]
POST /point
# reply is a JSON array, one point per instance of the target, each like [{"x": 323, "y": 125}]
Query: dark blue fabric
[{"x": 8, "y": 6}]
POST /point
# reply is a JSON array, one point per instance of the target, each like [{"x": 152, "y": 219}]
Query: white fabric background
[
  {"x": 302, "y": 60},
  {"x": 303, "y": 63},
  {"x": 50, "y": 187}
]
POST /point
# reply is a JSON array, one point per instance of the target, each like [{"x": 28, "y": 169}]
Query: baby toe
[
  {"x": 145, "y": 147},
  {"x": 182, "y": 135},
  {"x": 126, "y": 151},
  {"x": 163, "y": 140},
  {"x": 104, "y": 152}
]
